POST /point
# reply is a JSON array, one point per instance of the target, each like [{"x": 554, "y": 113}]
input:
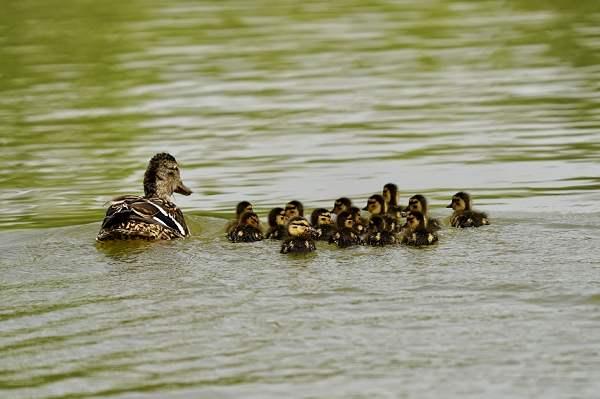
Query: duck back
[{"x": 133, "y": 217}]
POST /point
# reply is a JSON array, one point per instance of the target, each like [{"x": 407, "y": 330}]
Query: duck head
[
  {"x": 414, "y": 221},
  {"x": 162, "y": 178},
  {"x": 375, "y": 205},
  {"x": 277, "y": 217},
  {"x": 461, "y": 201},
  {"x": 341, "y": 204},
  {"x": 320, "y": 217},
  {"x": 250, "y": 219},
  {"x": 390, "y": 194},
  {"x": 242, "y": 207},
  {"x": 344, "y": 220},
  {"x": 294, "y": 209},
  {"x": 417, "y": 203},
  {"x": 299, "y": 227}
]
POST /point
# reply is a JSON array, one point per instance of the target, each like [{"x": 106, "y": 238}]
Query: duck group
[{"x": 154, "y": 216}]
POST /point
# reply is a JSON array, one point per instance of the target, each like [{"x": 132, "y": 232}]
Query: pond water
[{"x": 273, "y": 101}]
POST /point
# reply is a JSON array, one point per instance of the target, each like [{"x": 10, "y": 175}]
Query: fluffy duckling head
[
  {"x": 162, "y": 178},
  {"x": 417, "y": 203},
  {"x": 461, "y": 201},
  {"x": 390, "y": 194},
  {"x": 277, "y": 217},
  {"x": 341, "y": 204},
  {"x": 299, "y": 227},
  {"x": 344, "y": 220},
  {"x": 375, "y": 205},
  {"x": 242, "y": 207},
  {"x": 294, "y": 209},
  {"x": 320, "y": 217},
  {"x": 250, "y": 219},
  {"x": 414, "y": 221}
]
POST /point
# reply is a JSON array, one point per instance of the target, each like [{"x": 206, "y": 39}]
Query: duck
[
  {"x": 376, "y": 207},
  {"x": 300, "y": 237},
  {"x": 415, "y": 231},
  {"x": 392, "y": 199},
  {"x": 340, "y": 205},
  {"x": 277, "y": 224},
  {"x": 379, "y": 232},
  {"x": 240, "y": 208},
  {"x": 463, "y": 215},
  {"x": 247, "y": 230},
  {"x": 360, "y": 224},
  {"x": 294, "y": 209},
  {"x": 321, "y": 221},
  {"x": 418, "y": 203},
  {"x": 346, "y": 235},
  {"x": 152, "y": 216}
]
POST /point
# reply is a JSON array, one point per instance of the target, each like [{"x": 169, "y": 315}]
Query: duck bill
[
  {"x": 364, "y": 209},
  {"x": 182, "y": 189},
  {"x": 449, "y": 206},
  {"x": 405, "y": 210}
]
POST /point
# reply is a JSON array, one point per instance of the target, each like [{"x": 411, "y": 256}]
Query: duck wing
[{"x": 152, "y": 211}]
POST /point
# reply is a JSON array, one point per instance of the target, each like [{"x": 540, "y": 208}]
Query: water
[{"x": 272, "y": 102}]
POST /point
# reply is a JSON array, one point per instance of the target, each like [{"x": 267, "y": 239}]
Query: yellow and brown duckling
[
  {"x": 391, "y": 197},
  {"x": 360, "y": 224},
  {"x": 376, "y": 207},
  {"x": 247, "y": 229},
  {"x": 418, "y": 203},
  {"x": 153, "y": 216},
  {"x": 463, "y": 215},
  {"x": 277, "y": 224},
  {"x": 346, "y": 235},
  {"x": 379, "y": 232},
  {"x": 240, "y": 208},
  {"x": 300, "y": 237},
  {"x": 321, "y": 221},
  {"x": 340, "y": 205},
  {"x": 293, "y": 209},
  {"x": 415, "y": 231}
]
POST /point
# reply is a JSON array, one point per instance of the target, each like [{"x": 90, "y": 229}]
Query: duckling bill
[{"x": 153, "y": 216}]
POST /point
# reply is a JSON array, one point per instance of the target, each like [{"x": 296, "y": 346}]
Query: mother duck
[{"x": 153, "y": 216}]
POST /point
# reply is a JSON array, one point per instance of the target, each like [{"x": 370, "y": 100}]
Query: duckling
[
  {"x": 300, "y": 237},
  {"x": 277, "y": 224},
  {"x": 418, "y": 203},
  {"x": 376, "y": 207},
  {"x": 153, "y": 216},
  {"x": 340, "y": 205},
  {"x": 463, "y": 215},
  {"x": 360, "y": 224},
  {"x": 379, "y": 232},
  {"x": 346, "y": 235},
  {"x": 294, "y": 209},
  {"x": 320, "y": 219},
  {"x": 241, "y": 207},
  {"x": 415, "y": 231},
  {"x": 247, "y": 230},
  {"x": 391, "y": 197}
]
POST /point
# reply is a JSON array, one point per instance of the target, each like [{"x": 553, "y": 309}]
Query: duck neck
[{"x": 154, "y": 190}]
